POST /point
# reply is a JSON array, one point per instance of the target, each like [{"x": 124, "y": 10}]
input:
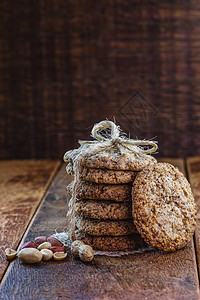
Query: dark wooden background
[{"x": 66, "y": 64}]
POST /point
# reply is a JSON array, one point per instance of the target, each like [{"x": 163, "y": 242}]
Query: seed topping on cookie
[{"x": 164, "y": 210}]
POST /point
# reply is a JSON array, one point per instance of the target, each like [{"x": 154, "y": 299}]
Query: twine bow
[
  {"x": 105, "y": 141},
  {"x": 114, "y": 139}
]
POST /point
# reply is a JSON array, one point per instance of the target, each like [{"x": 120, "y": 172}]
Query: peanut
[
  {"x": 29, "y": 244},
  {"x": 86, "y": 253},
  {"x": 40, "y": 239},
  {"x": 30, "y": 255},
  {"x": 54, "y": 241},
  {"x": 45, "y": 245},
  {"x": 46, "y": 254},
  {"x": 57, "y": 249},
  {"x": 75, "y": 248},
  {"x": 59, "y": 255},
  {"x": 10, "y": 253}
]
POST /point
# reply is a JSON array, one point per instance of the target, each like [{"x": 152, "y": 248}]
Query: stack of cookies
[{"x": 103, "y": 203}]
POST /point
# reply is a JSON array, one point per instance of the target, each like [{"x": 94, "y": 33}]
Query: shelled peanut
[{"x": 42, "y": 248}]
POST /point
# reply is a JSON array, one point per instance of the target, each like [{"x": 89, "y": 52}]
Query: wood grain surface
[
  {"x": 193, "y": 167},
  {"x": 67, "y": 64},
  {"x": 143, "y": 275},
  {"x": 179, "y": 163},
  {"x": 22, "y": 185}
]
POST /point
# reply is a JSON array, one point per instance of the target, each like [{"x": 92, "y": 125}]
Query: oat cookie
[
  {"x": 112, "y": 243},
  {"x": 106, "y": 176},
  {"x": 90, "y": 190},
  {"x": 98, "y": 209},
  {"x": 164, "y": 210},
  {"x": 117, "y": 161},
  {"x": 114, "y": 160},
  {"x": 108, "y": 227}
]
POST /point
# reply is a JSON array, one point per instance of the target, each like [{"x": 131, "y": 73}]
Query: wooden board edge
[
  {"x": 196, "y": 237},
  {"x": 53, "y": 174},
  {"x": 58, "y": 165}
]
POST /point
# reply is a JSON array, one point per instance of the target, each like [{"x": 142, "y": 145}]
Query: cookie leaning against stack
[{"x": 164, "y": 210}]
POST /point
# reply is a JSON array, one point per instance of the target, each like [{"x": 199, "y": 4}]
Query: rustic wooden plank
[
  {"x": 193, "y": 167},
  {"x": 143, "y": 275},
  {"x": 22, "y": 184}
]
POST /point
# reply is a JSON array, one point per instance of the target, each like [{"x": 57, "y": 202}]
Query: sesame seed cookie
[
  {"x": 111, "y": 243},
  {"x": 164, "y": 210},
  {"x": 107, "y": 176},
  {"x": 90, "y": 190},
  {"x": 98, "y": 209},
  {"x": 108, "y": 227}
]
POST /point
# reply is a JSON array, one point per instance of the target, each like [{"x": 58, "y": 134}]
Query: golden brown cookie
[
  {"x": 106, "y": 176},
  {"x": 164, "y": 210},
  {"x": 112, "y": 243},
  {"x": 112, "y": 159},
  {"x": 108, "y": 227},
  {"x": 98, "y": 209},
  {"x": 90, "y": 190}
]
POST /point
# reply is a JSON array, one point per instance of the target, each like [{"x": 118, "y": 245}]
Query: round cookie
[
  {"x": 106, "y": 176},
  {"x": 98, "y": 209},
  {"x": 164, "y": 210},
  {"x": 108, "y": 227},
  {"x": 113, "y": 160},
  {"x": 111, "y": 243},
  {"x": 90, "y": 190}
]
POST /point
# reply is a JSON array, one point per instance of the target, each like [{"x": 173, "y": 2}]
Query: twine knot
[
  {"x": 103, "y": 125},
  {"x": 106, "y": 139}
]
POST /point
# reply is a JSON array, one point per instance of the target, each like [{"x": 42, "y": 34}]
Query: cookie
[
  {"x": 98, "y": 209},
  {"x": 90, "y": 190},
  {"x": 164, "y": 210},
  {"x": 113, "y": 160},
  {"x": 108, "y": 227},
  {"x": 112, "y": 243},
  {"x": 106, "y": 176}
]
